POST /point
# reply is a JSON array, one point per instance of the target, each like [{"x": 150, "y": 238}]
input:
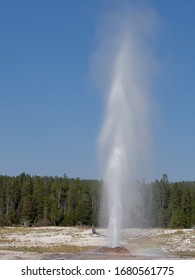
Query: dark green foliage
[
  {"x": 41, "y": 201},
  {"x": 171, "y": 204},
  {"x": 45, "y": 200},
  {"x": 166, "y": 204}
]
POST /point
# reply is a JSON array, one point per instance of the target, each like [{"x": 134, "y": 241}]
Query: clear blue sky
[{"x": 50, "y": 109}]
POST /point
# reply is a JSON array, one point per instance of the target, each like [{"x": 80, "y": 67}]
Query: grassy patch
[
  {"x": 5, "y": 240},
  {"x": 50, "y": 249},
  {"x": 184, "y": 254},
  {"x": 13, "y": 230}
]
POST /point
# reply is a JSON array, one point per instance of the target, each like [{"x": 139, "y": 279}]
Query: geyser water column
[{"x": 125, "y": 64}]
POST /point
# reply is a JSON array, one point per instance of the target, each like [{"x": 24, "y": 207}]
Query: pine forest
[{"x": 61, "y": 201}]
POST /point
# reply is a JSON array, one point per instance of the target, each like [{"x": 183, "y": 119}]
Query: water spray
[{"x": 124, "y": 139}]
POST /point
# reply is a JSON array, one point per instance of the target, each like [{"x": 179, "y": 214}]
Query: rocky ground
[{"x": 80, "y": 243}]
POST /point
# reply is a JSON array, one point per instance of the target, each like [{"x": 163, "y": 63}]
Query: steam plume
[{"x": 124, "y": 67}]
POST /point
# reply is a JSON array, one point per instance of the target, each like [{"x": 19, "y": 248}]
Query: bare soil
[{"x": 115, "y": 250}]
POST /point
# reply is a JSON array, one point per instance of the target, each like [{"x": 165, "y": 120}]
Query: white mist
[{"x": 124, "y": 62}]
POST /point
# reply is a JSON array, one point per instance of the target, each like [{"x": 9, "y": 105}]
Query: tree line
[
  {"x": 171, "y": 204},
  {"x": 43, "y": 201}
]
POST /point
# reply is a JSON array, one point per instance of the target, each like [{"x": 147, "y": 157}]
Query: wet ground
[{"x": 88, "y": 255}]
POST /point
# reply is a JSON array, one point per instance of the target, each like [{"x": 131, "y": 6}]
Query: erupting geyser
[{"x": 125, "y": 72}]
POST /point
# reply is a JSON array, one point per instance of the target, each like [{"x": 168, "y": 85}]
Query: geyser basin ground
[
  {"x": 113, "y": 251},
  {"x": 80, "y": 243}
]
